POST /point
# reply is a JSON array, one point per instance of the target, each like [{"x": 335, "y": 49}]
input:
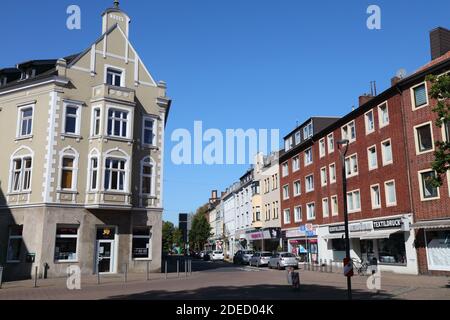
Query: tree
[
  {"x": 177, "y": 238},
  {"x": 167, "y": 235},
  {"x": 200, "y": 229},
  {"x": 440, "y": 91}
]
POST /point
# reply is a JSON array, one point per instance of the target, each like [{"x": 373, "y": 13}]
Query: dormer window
[{"x": 114, "y": 77}]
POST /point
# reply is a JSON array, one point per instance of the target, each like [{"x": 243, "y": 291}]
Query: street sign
[{"x": 348, "y": 267}]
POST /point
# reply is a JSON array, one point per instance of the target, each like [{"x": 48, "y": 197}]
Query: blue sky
[{"x": 240, "y": 63}]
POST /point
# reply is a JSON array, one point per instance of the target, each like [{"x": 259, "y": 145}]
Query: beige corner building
[{"x": 81, "y": 175}]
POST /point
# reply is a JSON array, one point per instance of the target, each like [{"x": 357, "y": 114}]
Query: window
[
  {"x": 297, "y": 137},
  {"x": 72, "y": 114},
  {"x": 21, "y": 174},
  {"x": 325, "y": 208},
  {"x": 118, "y": 123},
  {"x": 332, "y": 173},
  {"x": 297, "y": 214},
  {"x": 376, "y": 197},
  {"x": 370, "y": 124},
  {"x": 351, "y": 165},
  {"x": 147, "y": 176},
  {"x": 94, "y": 174},
  {"x": 322, "y": 148},
  {"x": 67, "y": 173},
  {"x": 386, "y": 150},
  {"x": 285, "y": 192},
  {"x": 427, "y": 190},
  {"x": 308, "y": 131},
  {"x": 420, "y": 96},
  {"x": 310, "y": 211},
  {"x": 25, "y": 127},
  {"x": 66, "y": 243},
  {"x": 391, "y": 197},
  {"x": 334, "y": 206},
  {"x": 383, "y": 114},
  {"x": 275, "y": 210},
  {"x": 349, "y": 131},
  {"x": 149, "y": 131},
  {"x": 297, "y": 188},
  {"x": 446, "y": 131},
  {"x": 309, "y": 183},
  {"x": 296, "y": 163},
  {"x": 258, "y": 214},
  {"x": 323, "y": 176},
  {"x": 275, "y": 181},
  {"x": 96, "y": 121},
  {"x": 288, "y": 144},
  {"x": 330, "y": 143},
  {"x": 424, "y": 138},
  {"x": 114, "y": 77},
  {"x": 372, "y": 157},
  {"x": 392, "y": 250},
  {"x": 353, "y": 201},
  {"x": 14, "y": 244},
  {"x": 285, "y": 169},
  {"x": 308, "y": 156},
  {"x": 287, "y": 216},
  {"x": 141, "y": 246},
  {"x": 115, "y": 174}
]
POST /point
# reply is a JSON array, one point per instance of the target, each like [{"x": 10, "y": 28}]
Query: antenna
[{"x": 401, "y": 73}]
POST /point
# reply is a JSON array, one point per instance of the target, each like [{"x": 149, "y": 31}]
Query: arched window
[
  {"x": 148, "y": 177},
  {"x": 116, "y": 171},
  {"x": 21, "y": 170},
  {"x": 68, "y": 169}
]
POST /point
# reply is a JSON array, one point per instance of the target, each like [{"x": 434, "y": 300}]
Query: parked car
[
  {"x": 260, "y": 259},
  {"x": 282, "y": 260},
  {"x": 207, "y": 255},
  {"x": 243, "y": 256},
  {"x": 216, "y": 256}
]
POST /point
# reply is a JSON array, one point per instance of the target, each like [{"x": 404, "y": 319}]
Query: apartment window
[
  {"x": 386, "y": 150},
  {"x": 118, "y": 123},
  {"x": 372, "y": 157},
  {"x": 297, "y": 214},
  {"x": 376, "y": 196},
  {"x": 14, "y": 244},
  {"x": 325, "y": 208},
  {"x": 349, "y": 131},
  {"x": 308, "y": 156},
  {"x": 383, "y": 114},
  {"x": 287, "y": 216},
  {"x": 72, "y": 114},
  {"x": 308, "y": 131},
  {"x": 296, "y": 163},
  {"x": 275, "y": 182},
  {"x": 332, "y": 173},
  {"x": 149, "y": 131},
  {"x": 285, "y": 192},
  {"x": 94, "y": 174},
  {"x": 258, "y": 214},
  {"x": 323, "y": 176},
  {"x": 424, "y": 138},
  {"x": 310, "y": 211},
  {"x": 114, "y": 77},
  {"x": 25, "y": 121},
  {"x": 96, "y": 121},
  {"x": 322, "y": 148},
  {"x": 288, "y": 144},
  {"x": 297, "y": 188},
  {"x": 67, "y": 173},
  {"x": 330, "y": 138},
  {"x": 147, "y": 175},
  {"x": 334, "y": 206},
  {"x": 21, "y": 174},
  {"x": 420, "y": 96},
  {"x": 66, "y": 243},
  {"x": 285, "y": 169},
  {"x": 446, "y": 133},
  {"x": 353, "y": 201},
  {"x": 370, "y": 123},
  {"x": 309, "y": 183},
  {"x": 275, "y": 209},
  {"x": 391, "y": 196},
  {"x": 297, "y": 137},
  {"x": 141, "y": 243},
  {"x": 351, "y": 165},
  {"x": 427, "y": 190},
  {"x": 115, "y": 174}
]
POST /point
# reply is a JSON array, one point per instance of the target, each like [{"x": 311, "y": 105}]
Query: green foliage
[
  {"x": 440, "y": 91},
  {"x": 167, "y": 235},
  {"x": 177, "y": 238},
  {"x": 200, "y": 229}
]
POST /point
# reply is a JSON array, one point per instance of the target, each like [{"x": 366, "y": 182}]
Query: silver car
[
  {"x": 246, "y": 256},
  {"x": 281, "y": 260},
  {"x": 260, "y": 259}
]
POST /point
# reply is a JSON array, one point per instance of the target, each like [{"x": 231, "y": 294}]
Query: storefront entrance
[{"x": 105, "y": 261}]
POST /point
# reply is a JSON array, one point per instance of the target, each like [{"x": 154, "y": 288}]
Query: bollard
[
  {"x": 1, "y": 277},
  {"x": 190, "y": 267},
  {"x": 331, "y": 266},
  {"x": 126, "y": 272},
  {"x": 320, "y": 265},
  {"x": 35, "y": 276},
  {"x": 165, "y": 269},
  {"x": 98, "y": 273},
  {"x": 185, "y": 269},
  {"x": 178, "y": 268},
  {"x": 148, "y": 267}
]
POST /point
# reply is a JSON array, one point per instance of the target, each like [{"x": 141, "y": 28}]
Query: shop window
[
  {"x": 392, "y": 250},
  {"x": 438, "y": 250},
  {"x": 66, "y": 243},
  {"x": 338, "y": 244},
  {"x": 141, "y": 243}
]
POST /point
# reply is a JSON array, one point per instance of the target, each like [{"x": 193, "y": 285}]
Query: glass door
[{"x": 105, "y": 256}]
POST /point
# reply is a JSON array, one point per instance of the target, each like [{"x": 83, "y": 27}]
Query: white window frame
[
  {"x": 385, "y": 163},
  {"x": 413, "y": 96},
  {"x": 298, "y": 218},
  {"x": 287, "y": 213},
  {"x": 332, "y": 179},
  {"x": 308, "y": 206},
  {"x": 422, "y": 193},
  {"x": 154, "y": 131},
  {"x": 376, "y": 158},
  {"x": 94, "y": 120},
  {"x": 296, "y": 194},
  {"x": 322, "y": 148},
  {"x": 285, "y": 169},
  {"x": 353, "y": 173},
  {"x": 416, "y": 138},
  {"x": 353, "y": 192},
  {"x": 306, "y": 183},
  {"x": 20, "y": 110},
  {"x": 117, "y": 69},
  {"x": 295, "y": 160},
  {"x": 348, "y": 136},
  {"x": 109, "y": 156},
  {"x": 94, "y": 154},
  {"x": 366, "y": 121},
  {"x": 333, "y": 212},
  {"x": 372, "y": 196},
  {"x": 68, "y": 237},
  {"x": 148, "y": 161},
  {"x": 297, "y": 137},
  {"x": 381, "y": 123},
  {"x": 69, "y": 152},
  {"x": 323, "y": 177},
  {"x": 330, "y": 145},
  {"x": 129, "y": 122},
  {"x": 22, "y": 173},
  {"x": 79, "y": 107},
  {"x": 325, "y": 205},
  {"x": 308, "y": 131},
  {"x": 308, "y": 162},
  {"x": 390, "y": 204},
  {"x": 286, "y": 196}
]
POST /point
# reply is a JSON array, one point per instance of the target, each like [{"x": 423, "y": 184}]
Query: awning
[
  {"x": 433, "y": 224},
  {"x": 358, "y": 235},
  {"x": 379, "y": 234},
  {"x": 333, "y": 236}
]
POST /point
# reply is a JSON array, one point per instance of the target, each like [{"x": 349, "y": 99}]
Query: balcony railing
[{"x": 113, "y": 92}]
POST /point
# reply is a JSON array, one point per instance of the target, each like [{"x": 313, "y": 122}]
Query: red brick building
[{"x": 393, "y": 215}]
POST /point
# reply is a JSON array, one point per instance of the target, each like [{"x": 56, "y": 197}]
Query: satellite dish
[{"x": 401, "y": 73}]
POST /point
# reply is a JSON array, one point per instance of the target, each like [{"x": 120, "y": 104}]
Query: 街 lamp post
[{"x": 343, "y": 148}]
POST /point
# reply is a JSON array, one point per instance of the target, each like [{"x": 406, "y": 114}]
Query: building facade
[{"x": 83, "y": 146}]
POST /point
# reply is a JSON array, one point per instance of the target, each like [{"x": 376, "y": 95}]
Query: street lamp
[{"x": 343, "y": 153}]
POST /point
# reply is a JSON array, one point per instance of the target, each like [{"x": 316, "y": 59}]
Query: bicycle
[{"x": 360, "y": 266}]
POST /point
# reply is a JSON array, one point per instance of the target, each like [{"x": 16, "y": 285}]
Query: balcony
[
  {"x": 108, "y": 200},
  {"x": 109, "y": 92}
]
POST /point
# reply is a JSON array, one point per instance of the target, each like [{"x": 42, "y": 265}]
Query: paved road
[{"x": 223, "y": 281}]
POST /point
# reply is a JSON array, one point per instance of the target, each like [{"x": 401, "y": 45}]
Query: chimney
[
  {"x": 364, "y": 99},
  {"x": 439, "y": 42},
  {"x": 395, "y": 80},
  {"x": 213, "y": 198}
]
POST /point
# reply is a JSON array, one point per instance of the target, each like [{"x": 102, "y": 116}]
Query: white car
[{"x": 217, "y": 256}]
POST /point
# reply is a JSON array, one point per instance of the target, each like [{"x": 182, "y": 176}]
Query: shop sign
[
  {"x": 308, "y": 229},
  {"x": 256, "y": 235},
  {"x": 360, "y": 226},
  {"x": 340, "y": 228},
  {"x": 295, "y": 233},
  {"x": 388, "y": 223},
  {"x": 272, "y": 233}
]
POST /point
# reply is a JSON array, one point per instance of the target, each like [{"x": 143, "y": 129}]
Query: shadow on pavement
[{"x": 256, "y": 292}]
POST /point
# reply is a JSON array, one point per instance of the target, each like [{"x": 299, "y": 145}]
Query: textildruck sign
[
  {"x": 387, "y": 223},
  {"x": 336, "y": 229}
]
